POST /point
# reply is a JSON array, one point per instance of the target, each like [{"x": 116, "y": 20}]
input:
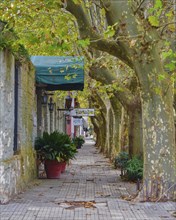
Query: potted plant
[
  {"x": 78, "y": 141},
  {"x": 55, "y": 149}
]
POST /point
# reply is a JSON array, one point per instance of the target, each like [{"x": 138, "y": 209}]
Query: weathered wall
[{"x": 17, "y": 168}]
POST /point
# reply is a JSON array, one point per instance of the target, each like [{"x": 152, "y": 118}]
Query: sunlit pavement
[{"x": 90, "y": 189}]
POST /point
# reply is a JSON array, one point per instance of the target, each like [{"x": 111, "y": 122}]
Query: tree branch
[
  {"x": 135, "y": 12},
  {"x": 86, "y": 31},
  {"x": 166, "y": 26},
  {"x": 103, "y": 75}
]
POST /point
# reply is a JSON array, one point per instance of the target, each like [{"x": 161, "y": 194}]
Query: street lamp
[
  {"x": 77, "y": 105},
  {"x": 51, "y": 105},
  {"x": 44, "y": 99},
  {"x": 68, "y": 102}
]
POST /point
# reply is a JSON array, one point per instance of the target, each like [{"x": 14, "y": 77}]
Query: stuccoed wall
[{"x": 19, "y": 168}]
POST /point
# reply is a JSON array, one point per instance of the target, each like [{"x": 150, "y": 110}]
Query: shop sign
[
  {"x": 82, "y": 112},
  {"x": 77, "y": 122}
]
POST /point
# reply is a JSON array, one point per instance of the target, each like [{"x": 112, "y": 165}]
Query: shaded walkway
[{"x": 90, "y": 189}]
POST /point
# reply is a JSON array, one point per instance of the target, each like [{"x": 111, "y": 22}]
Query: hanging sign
[
  {"x": 77, "y": 122},
  {"x": 82, "y": 112}
]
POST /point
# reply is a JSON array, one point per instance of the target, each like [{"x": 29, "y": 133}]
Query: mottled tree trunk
[
  {"x": 102, "y": 122},
  {"x": 96, "y": 101},
  {"x": 123, "y": 136},
  {"x": 158, "y": 126},
  {"x": 116, "y": 111},
  {"x": 110, "y": 119},
  {"x": 135, "y": 132},
  {"x": 97, "y": 132},
  {"x": 131, "y": 103}
]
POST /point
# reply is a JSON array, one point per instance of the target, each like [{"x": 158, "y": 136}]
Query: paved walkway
[{"x": 90, "y": 189}]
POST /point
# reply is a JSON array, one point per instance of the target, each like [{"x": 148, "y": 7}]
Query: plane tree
[{"x": 140, "y": 32}]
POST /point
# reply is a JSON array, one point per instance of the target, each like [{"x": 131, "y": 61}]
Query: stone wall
[{"x": 17, "y": 166}]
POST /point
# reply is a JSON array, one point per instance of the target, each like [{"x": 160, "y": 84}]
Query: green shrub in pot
[
  {"x": 55, "y": 146},
  {"x": 55, "y": 149},
  {"x": 78, "y": 141}
]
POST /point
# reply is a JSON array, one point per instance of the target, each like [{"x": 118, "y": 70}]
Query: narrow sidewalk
[{"x": 90, "y": 189}]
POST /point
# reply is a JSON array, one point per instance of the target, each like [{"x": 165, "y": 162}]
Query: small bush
[
  {"x": 134, "y": 169},
  {"x": 78, "y": 141},
  {"x": 121, "y": 160}
]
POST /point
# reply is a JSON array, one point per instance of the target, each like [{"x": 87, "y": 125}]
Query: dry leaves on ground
[{"x": 73, "y": 205}]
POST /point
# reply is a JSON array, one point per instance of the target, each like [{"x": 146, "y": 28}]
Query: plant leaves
[{"x": 154, "y": 21}]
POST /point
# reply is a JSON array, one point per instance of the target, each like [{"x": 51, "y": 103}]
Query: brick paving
[{"x": 90, "y": 189}]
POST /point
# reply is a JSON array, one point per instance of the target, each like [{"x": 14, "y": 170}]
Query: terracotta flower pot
[
  {"x": 53, "y": 169},
  {"x": 63, "y": 164}
]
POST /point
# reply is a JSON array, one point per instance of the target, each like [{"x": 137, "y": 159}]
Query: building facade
[
  {"x": 18, "y": 125},
  {"x": 23, "y": 117}
]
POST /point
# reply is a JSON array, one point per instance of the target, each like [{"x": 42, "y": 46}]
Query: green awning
[{"x": 59, "y": 73}]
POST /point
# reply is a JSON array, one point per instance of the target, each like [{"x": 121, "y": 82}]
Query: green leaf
[
  {"x": 161, "y": 77},
  {"x": 171, "y": 66},
  {"x": 151, "y": 10},
  {"x": 169, "y": 14},
  {"x": 154, "y": 21},
  {"x": 58, "y": 158},
  {"x": 158, "y": 4},
  {"x": 167, "y": 54},
  {"x": 109, "y": 33},
  {"x": 83, "y": 43}
]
